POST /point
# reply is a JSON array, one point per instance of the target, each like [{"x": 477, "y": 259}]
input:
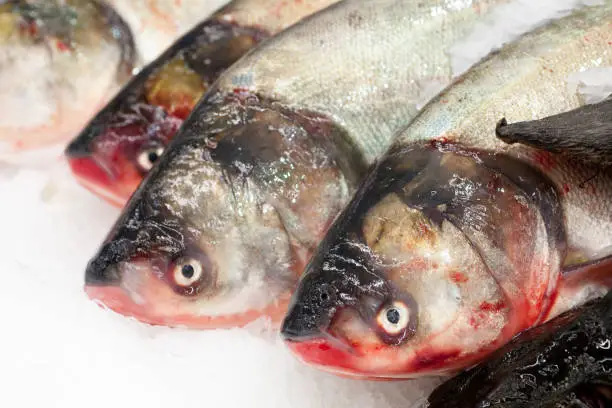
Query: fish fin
[
  {"x": 581, "y": 283},
  {"x": 584, "y": 133}
]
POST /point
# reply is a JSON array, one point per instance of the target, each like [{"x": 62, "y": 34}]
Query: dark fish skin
[
  {"x": 584, "y": 133},
  {"x": 564, "y": 363}
]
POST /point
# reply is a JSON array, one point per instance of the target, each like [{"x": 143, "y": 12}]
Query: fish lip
[
  {"x": 327, "y": 354},
  {"x": 117, "y": 299}
]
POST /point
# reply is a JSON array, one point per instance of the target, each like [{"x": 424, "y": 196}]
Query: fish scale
[{"x": 377, "y": 79}]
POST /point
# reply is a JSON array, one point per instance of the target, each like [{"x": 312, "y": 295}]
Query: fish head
[
  {"x": 218, "y": 232},
  {"x": 438, "y": 260},
  {"x": 119, "y": 147},
  {"x": 60, "y": 61}
]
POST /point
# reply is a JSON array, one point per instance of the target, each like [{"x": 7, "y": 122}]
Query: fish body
[
  {"x": 563, "y": 363},
  {"x": 456, "y": 241},
  {"x": 156, "y": 24},
  {"x": 57, "y": 57},
  {"x": 221, "y": 228},
  {"x": 119, "y": 146}
]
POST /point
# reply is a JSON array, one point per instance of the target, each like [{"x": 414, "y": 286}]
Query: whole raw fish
[
  {"x": 564, "y": 363},
  {"x": 455, "y": 241},
  {"x": 219, "y": 231},
  {"x": 119, "y": 146},
  {"x": 59, "y": 60}
]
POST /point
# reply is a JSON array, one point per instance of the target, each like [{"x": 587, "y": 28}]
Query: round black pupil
[
  {"x": 153, "y": 156},
  {"x": 324, "y": 296},
  {"x": 188, "y": 271},
  {"x": 393, "y": 316}
]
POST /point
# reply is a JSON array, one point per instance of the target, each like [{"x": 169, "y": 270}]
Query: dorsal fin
[{"x": 584, "y": 133}]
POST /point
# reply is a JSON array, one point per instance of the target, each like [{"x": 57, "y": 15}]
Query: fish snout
[
  {"x": 100, "y": 273},
  {"x": 300, "y": 325},
  {"x": 79, "y": 147}
]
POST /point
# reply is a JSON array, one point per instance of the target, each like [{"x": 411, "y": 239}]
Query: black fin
[{"x": 584, "y": 133}]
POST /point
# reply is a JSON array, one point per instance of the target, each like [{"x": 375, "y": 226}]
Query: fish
[
  {"x": 584, "y": 133},
  {"x": 72, "y": 57},
  {"x": 563, "y": 363},
  {"x": 121, "y": 143},
  {"x": 456, "y": 241},
  {"x": 59, "y": 61},
  {"x": 220, "y": 229}
]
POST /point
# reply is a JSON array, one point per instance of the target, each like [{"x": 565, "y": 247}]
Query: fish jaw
[
  {"x": 118, "y": 300},
  {"x": 95, "y": 179}
]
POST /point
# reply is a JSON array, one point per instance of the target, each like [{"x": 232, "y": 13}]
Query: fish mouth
[
  {"x": 334, "y": 357},
  {"x": 90, "y": 175},
  {"x": 117, "y": 299}
]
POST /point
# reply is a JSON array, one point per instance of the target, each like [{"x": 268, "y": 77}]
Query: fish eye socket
[
  {"x": 187, "y": 273},
  {"x": 148, "y": 156},
  {"x": 394, "y": 319}
]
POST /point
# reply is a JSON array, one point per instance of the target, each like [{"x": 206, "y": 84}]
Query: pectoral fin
[
  {"x": 581, "y": 283},
  {"x": 584, "y": 133}
]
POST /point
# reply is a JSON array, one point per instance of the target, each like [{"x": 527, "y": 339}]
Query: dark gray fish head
[
  {"x": 120, "y": 145},
  {"x": 219, "y": 231},
  {"x": 429, "y": 267}
]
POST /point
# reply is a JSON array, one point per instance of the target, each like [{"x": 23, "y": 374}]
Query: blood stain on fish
[
  {"x": 459, "y": 277},
  {"x": 544, "y": 159},
  {"x": 432, "y": 360},
  {"x": 492, "y": 307}
]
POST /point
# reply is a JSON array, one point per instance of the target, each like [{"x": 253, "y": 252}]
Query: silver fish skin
[
  {"x": 456, "y": 241},
  {"x": 268, "y": 158}
]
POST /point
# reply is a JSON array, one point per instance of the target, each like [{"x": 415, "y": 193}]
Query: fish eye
[
  {"x": 394, "y": 319},
  {"x": 187, "y": 272},
  {"x": 148, "y": 156}
]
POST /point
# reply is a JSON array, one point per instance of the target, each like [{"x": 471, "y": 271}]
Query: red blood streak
[
  {"x": 492, "y": 307},
  {"x": 61, "y": 46},
  {"x": 459, "y": 277},
  {"x": 439, "y": 141},
  {"x": 566, "y": 188},
  {"x": 428, "y": 360},
  {"x": 545, "y": 159}
]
